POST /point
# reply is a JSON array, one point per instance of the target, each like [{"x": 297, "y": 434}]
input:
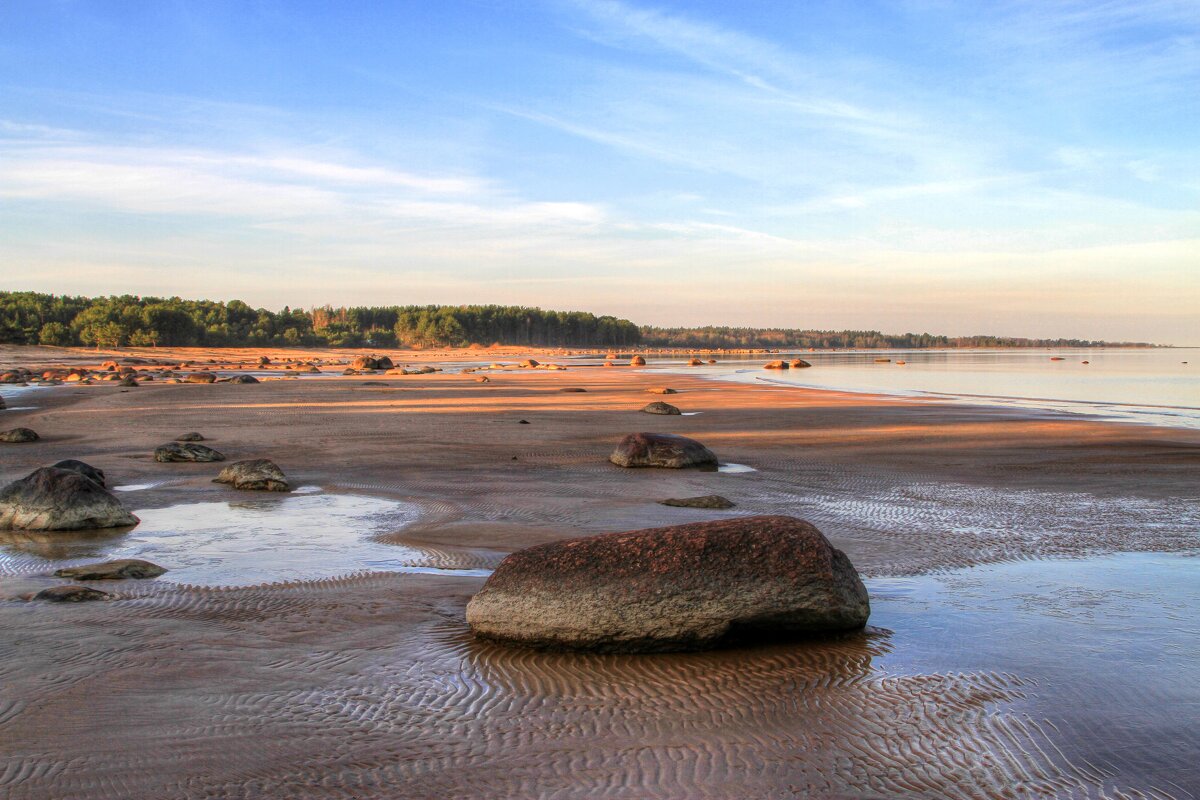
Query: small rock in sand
[
  {"x": 664, "y": 450},
  {"x": 112, "y": 570},
  {"x": 185, "y": 451},
  {"x": 258, "y": 474},
  {"x": 18, "y": 436},
  {"x": 70, "y": 594},
  {"x": 659, "y": 407},
  {"x": 707, "y": 501}
]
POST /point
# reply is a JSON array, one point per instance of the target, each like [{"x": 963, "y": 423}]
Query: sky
[{"x": 1008, "y": 168}]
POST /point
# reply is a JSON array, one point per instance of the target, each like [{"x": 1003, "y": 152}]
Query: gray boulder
[
  {"x": 185, "y": 451},
  {"x": 662, "y": 450},
  {"x": 256, "y": 474},
  {"x": 685, "y": 587},
  {"x": 243, "y": 379},
  {"x": 51, "y": 499}
]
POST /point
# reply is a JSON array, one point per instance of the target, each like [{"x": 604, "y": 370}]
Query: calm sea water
[{"x": 1156, "y": 387}]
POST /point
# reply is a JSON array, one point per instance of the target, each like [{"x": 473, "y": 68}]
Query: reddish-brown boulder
[{"x": 684, "y": 587}]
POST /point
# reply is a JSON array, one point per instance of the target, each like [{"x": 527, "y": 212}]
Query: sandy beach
[{"x": 366, "y": 683}]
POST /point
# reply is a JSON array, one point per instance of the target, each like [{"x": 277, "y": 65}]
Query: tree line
[
  {"x": 713, "y": 338},
  {"x": 127, "y": 320}
]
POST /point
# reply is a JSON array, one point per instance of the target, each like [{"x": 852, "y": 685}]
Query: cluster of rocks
[
  {"x": 797, "y": 363},
  {"x": 72, "y": 495}
]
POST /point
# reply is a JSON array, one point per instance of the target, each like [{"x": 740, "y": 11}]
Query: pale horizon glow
[{"x": 1016, "y": 168}]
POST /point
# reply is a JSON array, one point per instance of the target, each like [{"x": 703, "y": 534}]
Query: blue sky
[{"x": 1023, "y": 168}]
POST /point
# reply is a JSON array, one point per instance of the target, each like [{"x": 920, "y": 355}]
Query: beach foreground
[{"x": 990, "y": 667}]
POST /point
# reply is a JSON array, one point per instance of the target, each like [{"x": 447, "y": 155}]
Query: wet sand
[{"x": 347, "y": 681}]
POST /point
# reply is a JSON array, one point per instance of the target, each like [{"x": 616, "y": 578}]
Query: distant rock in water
[
  {"x": 112, "y": 570},
  {"x": 685, "y": 587},
  {"x": 201, "y": 377},
  {"x": 185, "y": 451},
  {"x": 572, "y": 389},
  {"x": 661, "y": 450},
  {"x": 776, "y": 365},
  {"x": 259, "y": 474},
  {"x": 86, "y": 470},
  {"x": 637, "y": 361},
  {"x": 695, "y": 362},
  {"x": 189, "y": 437},
  {"x": 659, "y": 407},
  {"x": 52, "y": 499},
  {"x": 662, "y": 390},
  {"x": 70, "y": 594},
  {"x": 19, "y": 436},
  {"x": 800, "y": 363},
  {"x": 243, "y": 379},
  {"x": 384, "y": 362},
  {"x": 707, "y": 501},
  {"x": 883, "y": 361}
]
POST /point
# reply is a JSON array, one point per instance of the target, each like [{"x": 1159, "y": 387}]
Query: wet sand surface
[{"x": 1033, "y": 587}]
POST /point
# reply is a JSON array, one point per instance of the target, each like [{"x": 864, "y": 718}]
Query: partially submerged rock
[
  {"x": 800, "y": 363},
  {"x": 661, "y": 390},
  {"x": 185, "y": 451},
  {"x": 70, "y": 594},
  {"x": 112, "y": 570},
  {"x": 52, "y": 499},
  {"x": 776, "y": 365},
  {"x": 637, "y": 361},
  {"x": 659, "y": 407},
  {"x": 192, "y": 436},
  {"x": 714, "y": 501},
  {"x": 259, "y": 474},
  {"x": 84, "y": 469},
  {"x": 685, "y": 587},
  {"x": 19, "y": 436},
  {"x": 661, "y": 450}
]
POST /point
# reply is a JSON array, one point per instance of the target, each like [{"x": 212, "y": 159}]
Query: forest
[
  {"x": 127, "y": 320},
  {"x": 59, "y": 320}
]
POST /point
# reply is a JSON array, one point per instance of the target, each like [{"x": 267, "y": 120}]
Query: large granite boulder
[
  {"x": 185, "y": 451},
  {"x": 19, "y": 436},
  {"x": 112, "y": 570},
  {"x": 86, "y": 470},
  {"x": 364, "y": 363},
  {"x": 661, "y": 450},
  {"x": 684, "y": 587},
  {"x": 52, "y": 499},
  {"x": 659, "y": 407},
  {"x": 256, "y": 474}
]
